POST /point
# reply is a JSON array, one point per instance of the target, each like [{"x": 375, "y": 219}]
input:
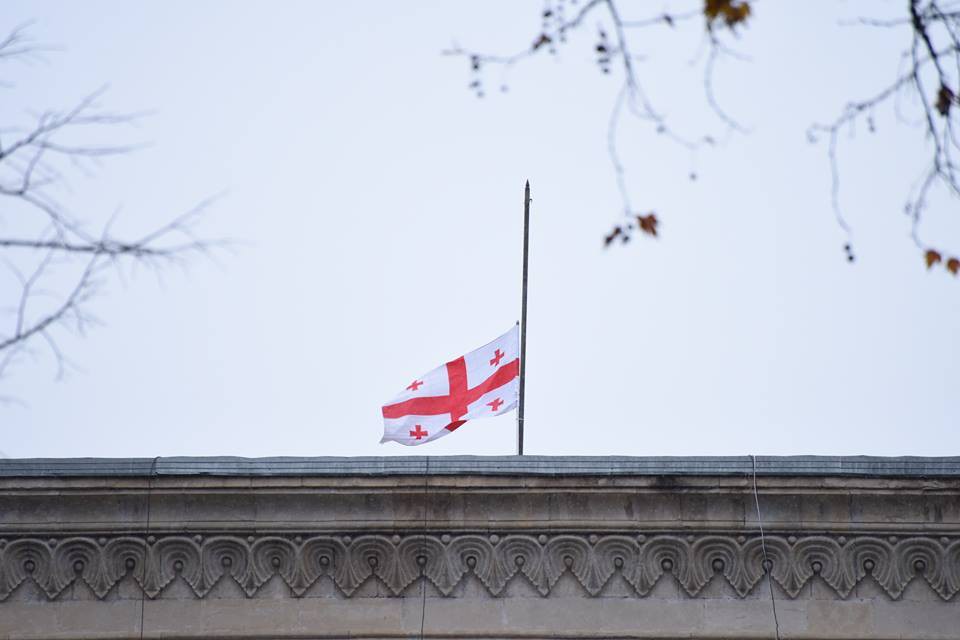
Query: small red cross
[
  {"x": 497, "y": 357},
  {"x": 415, "y": 384},
  {"x": 495, "y": 405},
  {"x": 419, "y": 433}
]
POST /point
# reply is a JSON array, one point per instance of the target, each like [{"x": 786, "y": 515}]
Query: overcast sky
[{"x": 377, "y": 205}]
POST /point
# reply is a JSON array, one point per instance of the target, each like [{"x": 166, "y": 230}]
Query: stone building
[{"x": 480, "y": 547}]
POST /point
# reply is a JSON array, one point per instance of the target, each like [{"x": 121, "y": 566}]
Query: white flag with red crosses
[{"x": 483, "y": 383}]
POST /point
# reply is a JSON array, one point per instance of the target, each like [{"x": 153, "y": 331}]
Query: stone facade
[{"x": 480, "y": 548}]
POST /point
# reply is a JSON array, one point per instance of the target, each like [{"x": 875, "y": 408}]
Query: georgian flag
[{"x": 483, "y": 383}]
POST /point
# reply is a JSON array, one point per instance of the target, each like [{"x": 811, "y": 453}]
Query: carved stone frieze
[{"x": 495, "y": 560}]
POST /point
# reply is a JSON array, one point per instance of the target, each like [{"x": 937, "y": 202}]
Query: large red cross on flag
[{"x": 481, "y": 384}]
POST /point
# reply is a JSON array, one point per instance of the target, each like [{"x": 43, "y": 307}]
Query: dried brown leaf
[
  {"x": 945, "y": 99},
  {"x": 648, "y": 224},
  {"x": 732, "y": 12}
]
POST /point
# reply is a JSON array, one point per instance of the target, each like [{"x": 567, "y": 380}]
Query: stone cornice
[{"x": 620, "y": 531}]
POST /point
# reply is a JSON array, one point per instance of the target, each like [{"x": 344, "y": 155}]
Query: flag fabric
[{"x": 483, "y": 383}]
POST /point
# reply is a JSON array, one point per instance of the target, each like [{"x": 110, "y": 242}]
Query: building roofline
[{"x": 542, "y": 466}]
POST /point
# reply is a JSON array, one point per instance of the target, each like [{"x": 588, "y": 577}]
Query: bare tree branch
[
  {"x": 930, "y": 75},
  {"x": 934, "y": 43},
  {"x": 614, "y": 48},
  {"x": 49, "y": 234},
  {"x": 17, "y": 44}
]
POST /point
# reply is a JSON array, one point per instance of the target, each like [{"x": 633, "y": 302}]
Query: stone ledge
[
  {"x": 833, "y": 466},
  {"x": 854, "y": 548},
  {"x": 471, "y": 619}
]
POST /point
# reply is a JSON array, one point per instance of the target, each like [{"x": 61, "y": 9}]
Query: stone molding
[
  {"x": 444, "y": 560},
  {"x": 529, "y": 465}
]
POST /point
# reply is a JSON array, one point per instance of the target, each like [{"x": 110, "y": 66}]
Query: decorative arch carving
[{"x": 399, "y": 561}]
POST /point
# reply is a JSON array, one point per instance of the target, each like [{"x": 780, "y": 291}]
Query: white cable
[
  {"x": 143, "y": 570},
  {"x": 423, "y": 549},
  {"x": 763, "y": 547}
]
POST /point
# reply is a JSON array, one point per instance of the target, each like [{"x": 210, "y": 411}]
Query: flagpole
[{"x": 523, "y": 317}]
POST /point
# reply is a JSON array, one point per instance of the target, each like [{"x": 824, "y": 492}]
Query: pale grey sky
[{"x": 379, "y": 207}]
